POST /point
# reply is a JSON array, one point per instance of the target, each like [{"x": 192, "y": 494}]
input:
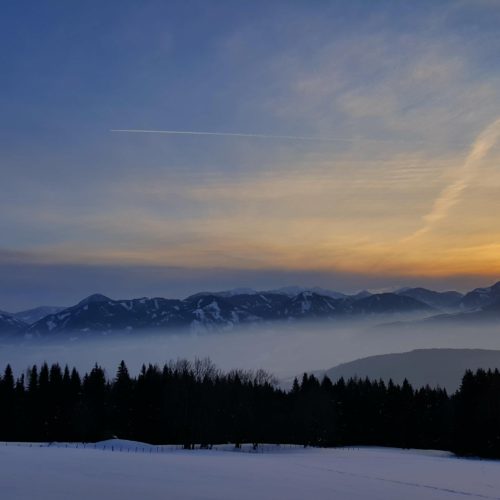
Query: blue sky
[{"x": 405, "y": 88}]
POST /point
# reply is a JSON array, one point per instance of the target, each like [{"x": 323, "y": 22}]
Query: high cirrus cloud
[{"x": 451, "y": 194}]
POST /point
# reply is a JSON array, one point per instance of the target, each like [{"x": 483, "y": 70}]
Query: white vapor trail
[
  {"x": 450, "y": 195},
  {"x": 229, "y": 134},
  {"x": 256, "y": 136}
]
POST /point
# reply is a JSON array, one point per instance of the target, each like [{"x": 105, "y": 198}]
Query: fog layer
[{"x": 285, "y": 349}]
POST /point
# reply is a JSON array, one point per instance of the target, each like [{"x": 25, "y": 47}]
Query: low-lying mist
[{"x": 284, "y": 349}]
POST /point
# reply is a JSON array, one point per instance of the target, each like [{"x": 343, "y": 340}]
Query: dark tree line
[{"x": 186, "y": 403}]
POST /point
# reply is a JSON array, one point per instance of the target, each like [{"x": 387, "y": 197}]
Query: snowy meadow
[{"x": 58, "y": 473}]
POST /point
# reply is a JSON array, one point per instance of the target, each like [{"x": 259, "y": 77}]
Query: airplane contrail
[
  {"x": 451, "y": 194},
  {"x": 255, "y": 136}
]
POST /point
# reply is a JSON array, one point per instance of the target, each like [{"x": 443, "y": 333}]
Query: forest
[{"x": 186, "y": 403}]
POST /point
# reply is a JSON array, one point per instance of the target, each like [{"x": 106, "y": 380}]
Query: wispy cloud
[{"x": 450, "y": 196}]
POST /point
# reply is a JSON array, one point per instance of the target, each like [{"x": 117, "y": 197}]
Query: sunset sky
[{"x": 399, "y": 184}]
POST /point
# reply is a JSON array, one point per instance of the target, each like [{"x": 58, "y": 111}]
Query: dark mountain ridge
[
  {"x": 206, "y": 311},
  {"x": 98, "y": 313}
]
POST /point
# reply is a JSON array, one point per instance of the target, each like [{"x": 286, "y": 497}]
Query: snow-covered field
[{"x": 60, "y": 473}]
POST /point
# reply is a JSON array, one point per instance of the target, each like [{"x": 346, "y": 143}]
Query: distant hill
[
  {"x": 481, "y": 297},
  {"x": 438, "y": 300},
  {"x": 293, "y": 291},
  {"x": 487, "y": 314},
  {"x": 389, "y": 303},
  {"x": 443, "y": 367},
  {"x": 9, "y": 325},
  {"x": 31, "y": 316}
]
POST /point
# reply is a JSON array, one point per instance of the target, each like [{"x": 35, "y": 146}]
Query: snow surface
[{"x": 55, "y": 472}]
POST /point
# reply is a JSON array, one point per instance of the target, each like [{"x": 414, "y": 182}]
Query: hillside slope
[{"x": 443, "y": 367}]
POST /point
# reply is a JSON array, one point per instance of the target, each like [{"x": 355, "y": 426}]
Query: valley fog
[{"x": 284, "y": 349}]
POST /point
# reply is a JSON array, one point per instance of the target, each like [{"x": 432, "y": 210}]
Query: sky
[{"x": 397, "y": 184}]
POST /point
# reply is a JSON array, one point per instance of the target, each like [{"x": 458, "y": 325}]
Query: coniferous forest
[{"x": 187, "y": 403}]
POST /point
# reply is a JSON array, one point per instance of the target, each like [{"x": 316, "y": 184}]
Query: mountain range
[{"x": 223, "y": 310}]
